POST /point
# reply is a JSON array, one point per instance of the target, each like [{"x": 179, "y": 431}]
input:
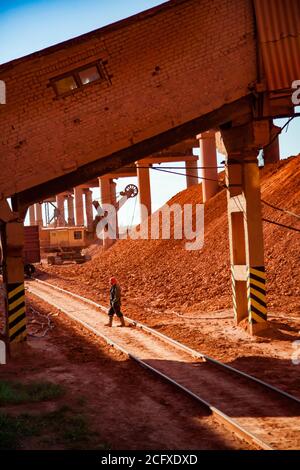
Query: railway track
[{"x": 256, "y": 411}]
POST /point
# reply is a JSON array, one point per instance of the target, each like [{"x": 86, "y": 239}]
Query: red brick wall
[{"x": 206, "y": 53}]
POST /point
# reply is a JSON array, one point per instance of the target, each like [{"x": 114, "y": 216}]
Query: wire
[
  {"x": 281, "y": 225},
  {"x": 280, "y": 209},
  {"x": 277, "y": 134},
  {"x": 179, "y": 167},
  {"x": 184, "y": 174},
  {"x": 190, "y": 167}
]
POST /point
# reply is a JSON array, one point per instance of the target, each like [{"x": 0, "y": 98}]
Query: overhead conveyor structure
[{"x": 88, "y": 106}]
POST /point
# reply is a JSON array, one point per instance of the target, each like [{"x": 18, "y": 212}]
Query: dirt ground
[
  {"x": 268, "y": 356},
  {"x": 123, "y": 405},
  {"x": 187, "y": 294},
  {"x": 163, "y": 275}
]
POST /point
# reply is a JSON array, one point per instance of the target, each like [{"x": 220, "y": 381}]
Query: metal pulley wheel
[{"x": 131, "y": 190}]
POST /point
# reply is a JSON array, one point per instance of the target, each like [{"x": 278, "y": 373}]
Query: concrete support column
[
  {"x": 246, "y": 240},
  {"x": 89, "y": 209},
  {"x": 60, "y": 204},
  {"x": 70, "y": 204},
  {"x": 191, "y": 171},
  {"x": 38, "y": 214},
  {"x": 256, "y": 279},
  {"x": 245, "y": 224},
  {"x": 106, "y": 198},
  {"x": 12, "y": 242},
  {"x": 32, "y": 216},
  {"x": 272, "y": 151},
  {"x": 78, "y": 200},
  {"x": 143, "y": 175},
  {"x": 208, "y": 162},
  {"x": 105, "y": 190},
  {"x": 113, "y": 195}
]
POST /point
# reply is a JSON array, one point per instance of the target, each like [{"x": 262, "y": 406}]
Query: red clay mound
[{"x": 162, "y": 274}]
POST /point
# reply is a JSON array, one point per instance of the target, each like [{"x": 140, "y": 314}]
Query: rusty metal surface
[{"x": 278, "y": 23}]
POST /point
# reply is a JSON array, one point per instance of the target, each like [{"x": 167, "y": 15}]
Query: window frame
[
  {"x": 57, "y": 79},
  {"x": 77, "y": 232},
  {"x": 103, "y": 77}
]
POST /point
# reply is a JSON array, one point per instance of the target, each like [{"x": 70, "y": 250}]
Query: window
[
  {"x": 89, "y": 75},
  {"x": 79, "y": 78},
  {"x": 64, "y": 85},
  {"x": 77, "y": 235}
]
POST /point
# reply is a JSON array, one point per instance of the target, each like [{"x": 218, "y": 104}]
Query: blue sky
[{"x": 30, "y": 25}]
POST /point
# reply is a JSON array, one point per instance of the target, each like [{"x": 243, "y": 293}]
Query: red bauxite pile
[{"x": 163, "y": 275}]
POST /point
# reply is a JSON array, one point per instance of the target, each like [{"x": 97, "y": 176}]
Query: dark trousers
[{"x": 115, "y": 309}]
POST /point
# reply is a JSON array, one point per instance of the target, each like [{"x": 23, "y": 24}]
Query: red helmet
[{"x": 113, "y": 281}]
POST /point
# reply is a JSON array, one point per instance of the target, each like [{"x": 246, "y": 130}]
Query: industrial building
[{"x": 119, "y": 102}]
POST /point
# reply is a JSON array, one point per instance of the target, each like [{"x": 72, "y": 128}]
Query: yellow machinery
[{"x": 64, "y": 243}]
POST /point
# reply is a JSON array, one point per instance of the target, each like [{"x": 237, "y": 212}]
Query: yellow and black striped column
[
  {"x": 257, "y": 304},
  {"x": 16, "y": 321}
]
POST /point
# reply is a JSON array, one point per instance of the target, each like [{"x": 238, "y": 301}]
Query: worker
[{"x": 115, "y": 302}]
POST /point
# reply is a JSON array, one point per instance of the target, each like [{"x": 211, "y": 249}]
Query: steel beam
[{"x": 135, "y": 152}]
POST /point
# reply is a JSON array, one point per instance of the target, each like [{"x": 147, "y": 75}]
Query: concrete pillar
[
  {"x": 143, "y": 175},
  {"x": 246, "y": 241},
  {"x": 113, "y": 195},
  {"x": 106, "y": 198},
  {"x": 60, "y": 204},
  {"x": 208, "y": 162},
  {"x": 272, "y": 151},
  {"x": 105, "y": 190},
  {"x": 113, "y": 191},
  {"x": 38, "y": 214},
  {"x": 245, "y": 227},
  {"x": 32, "y": 216},
  {"x": 70, "y": 203},
  {"x": 78, "y": 200},
  {"x": 12, "y": 242},
  {"x": 191, "y": 171},
  {"x": 89, "y": 209}
]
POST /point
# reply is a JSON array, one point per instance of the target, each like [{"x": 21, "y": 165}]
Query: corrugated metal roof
[{"x": 278, "y": 23}]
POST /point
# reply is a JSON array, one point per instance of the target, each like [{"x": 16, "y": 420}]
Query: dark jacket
[{"x": 115, "y": 295}]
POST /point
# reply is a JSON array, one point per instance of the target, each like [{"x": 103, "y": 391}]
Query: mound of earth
[{"x": 162, "y": 275}]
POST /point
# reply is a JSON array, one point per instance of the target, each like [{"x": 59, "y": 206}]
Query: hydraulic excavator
[{"x": 66, "y": 243}]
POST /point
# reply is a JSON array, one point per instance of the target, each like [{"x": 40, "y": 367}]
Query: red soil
[
  {"x": 123, "y": 405},
  {"x": 187, "y": 295},
  {"x": 162, "y": 274}
]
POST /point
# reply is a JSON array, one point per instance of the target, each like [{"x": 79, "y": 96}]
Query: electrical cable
[
  {"x": 164, "y": 170},
  {"x": 178, "y": 167},
  {"x": 277, "y": 134},
  {"x": 280, "y": 209},
  {"x": 281, "y": 225},
  {"x": 184, "y": 174}
]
